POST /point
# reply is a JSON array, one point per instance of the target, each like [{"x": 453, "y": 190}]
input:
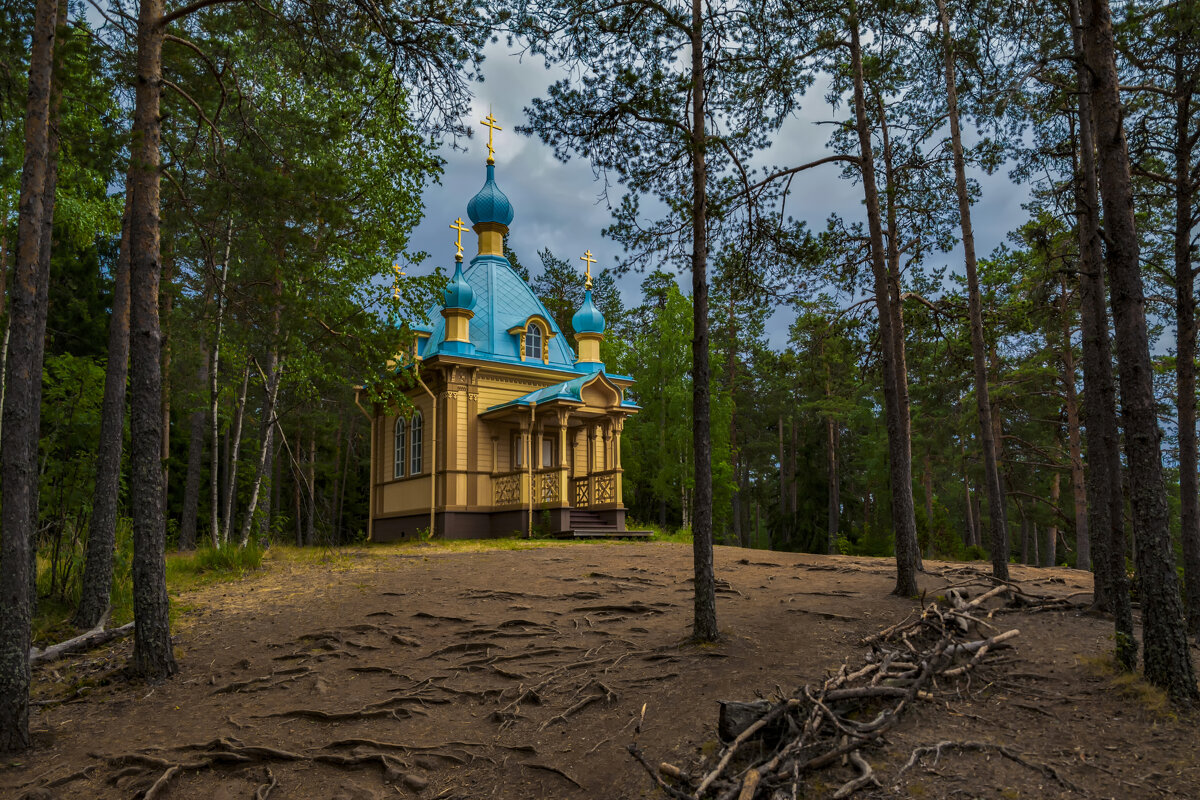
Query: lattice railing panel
[
  {"x": 605, "y": 489},
  {"x": 506, "y": 490},
  {"x": 549, "y": 488},
  {"x": 579, "y": 493}
]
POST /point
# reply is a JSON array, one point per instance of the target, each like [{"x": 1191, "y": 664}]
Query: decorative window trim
[
  {"x": 417, "y": 444},
  {"x": 544, "y": 328},
  {"x": 399, "y": 450}
]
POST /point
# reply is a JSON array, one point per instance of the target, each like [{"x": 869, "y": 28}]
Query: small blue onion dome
[
  {"x": 490, "y": 204},
  {"x": 458, "y": 293},
  {"x": 588, "y": 318}
]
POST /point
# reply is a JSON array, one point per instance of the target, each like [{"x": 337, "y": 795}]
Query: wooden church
[{"x": 510, "y": 429}]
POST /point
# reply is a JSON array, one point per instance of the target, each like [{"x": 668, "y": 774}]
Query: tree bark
[
  {"x": 152, "y": 655},
  {"x": 1168, "y": 661},
  {"x": 266, "y": 438},
  {"x": 1083, "y": 551},
  {"x": 1051, "y": 552},
  {"x": 704, "y": 625},
  {"x": 214, "y": 396},
  {"x": 310, "y": 532},
  {"x": 234, "y": 452},
  {"x": 166, "y": 303},
  {"x": 1106, "y": 497},
  {"x": 191, "y": 493},
  {"x": 900, "y": 471},
  {"x": 997, "y": 515},
  {"x": 834, "y": 510},
  {"x": 23, "y": 381},
  {"x": 102, "y": 533},
  {"x": 1185, "y": 320}
]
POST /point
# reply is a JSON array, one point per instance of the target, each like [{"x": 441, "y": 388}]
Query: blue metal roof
[
  {"x": 570, "y": 391},
  {"x": 502, "y": 301}
]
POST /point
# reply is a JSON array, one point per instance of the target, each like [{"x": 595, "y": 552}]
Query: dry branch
[{"x": 821, "y": 725}]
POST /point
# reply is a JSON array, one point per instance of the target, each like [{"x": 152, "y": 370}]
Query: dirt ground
[{"x": 421, "y": 672}]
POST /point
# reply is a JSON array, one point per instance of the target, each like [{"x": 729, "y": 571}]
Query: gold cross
[
  {"x": 400, "y": 273},
  {"x": 490, "y": 122},
  {"x": 589, "y": 260},
  {"x": 458, "y": 226}
]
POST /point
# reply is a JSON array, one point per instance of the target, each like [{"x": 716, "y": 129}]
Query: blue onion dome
[
  {"x": 458, "y": 293},
  {"x": 490, "y": 204},
  {"x": 588, "y": 318}
]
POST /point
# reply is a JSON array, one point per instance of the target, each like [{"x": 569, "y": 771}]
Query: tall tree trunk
[
  {"x": 970, "y": 503},
  {"x": 297, "y": 473},
  {"x": 152, "y": 655},
  {"x": 273, "y": 508},
  {"x": 1106, "y": 497},
  {"x": 341, "y": 506},
  {"x": 896, "y": 307},
  {"x": 239, "y": 417},
  {"x": 832, "y": 434},
  {"x": 782, "y": 473},
  {"x": 995, "y": 494},
  {"x": 3, "y": 310},
  {"x": 899, "y": 453},
  {"x": 793, "y": 489},
  {"x": 274, "y": 369},
  {"x": 927, "y": 487},
  {"x": 1083, "y": 551},
  {"x": 23, "y": 381},
  {"x": 1051, "y": 553},
  {"x": 166, "y": 303},
  {"x": 310, "y": 533},
  {"x": 833, "y": 512},
  {"x": 1185, "y": 321},
  {"x": 214, "y": 395},
  {"x": 739, "y": 533},
  {"x": 1168, "y": 661},
  {"x": 102, "y": 533},
  {"x": 1024, "y": 533},
  {"x": 704, "y": 626},
  {"x": 191, "y": 493}
]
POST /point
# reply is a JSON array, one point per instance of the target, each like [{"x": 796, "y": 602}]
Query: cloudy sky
[{"x": 558, "y": 205}]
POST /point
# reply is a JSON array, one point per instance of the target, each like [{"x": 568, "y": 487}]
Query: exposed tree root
[
  {"x": 264, "y": 791},
  {"x": 986, "y": 747},
  {"x": 265, "y": 681},
  {"x": 555, "y": 770}
]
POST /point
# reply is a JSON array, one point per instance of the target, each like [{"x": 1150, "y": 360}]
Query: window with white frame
[
  {"x": 416, "y": 435},
  {"x": 398, "y": 451},
  {"x": 533, "y": 341}
]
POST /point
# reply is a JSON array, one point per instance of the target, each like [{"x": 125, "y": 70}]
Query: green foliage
[{"x": 226, "y": 561}]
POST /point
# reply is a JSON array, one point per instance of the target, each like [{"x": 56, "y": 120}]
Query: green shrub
[{"x": 975, "y": 553}]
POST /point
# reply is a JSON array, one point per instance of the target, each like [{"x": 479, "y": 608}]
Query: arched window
[
  {"x": 417, "y": 426},
  {"x": 533, "y": 341},
  {"x": 399, "y": 452}
]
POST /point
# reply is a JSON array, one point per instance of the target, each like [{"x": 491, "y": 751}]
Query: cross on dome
[
  {"x": 458, "y": 226},
  {"x": 490, "y": 122},
  {"x": 589, "y": 260}
]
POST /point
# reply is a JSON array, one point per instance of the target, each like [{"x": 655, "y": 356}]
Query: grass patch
[
  {"x": 211, "y": 565},
  {"x": 660, "y": 533},
  {"x": 1132, "y": 687}
]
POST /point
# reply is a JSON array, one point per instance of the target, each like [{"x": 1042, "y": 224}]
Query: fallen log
[{"x": 85, "y": 641}]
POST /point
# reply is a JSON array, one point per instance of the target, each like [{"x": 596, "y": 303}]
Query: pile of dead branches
[{"x": 772, "y": 746}]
